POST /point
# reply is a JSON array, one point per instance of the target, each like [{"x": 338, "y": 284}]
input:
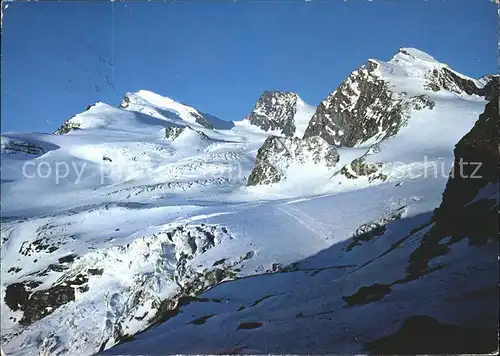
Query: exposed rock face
[
  {"x": 216, "y": 122},
  {"x": 36, "y": 305},
  {"x": 205, "y": 120},
  {"x": 202, "y": 121},
  {"x": 275, "y": 110},
  {"x": 69, "y": 125},
  {"x": 363, "y": 106},
  {"x": 360, "y": 168},
  {"x": 170, "y": 250},
  {"x": 125, "y": 103},
  {"x": 475, "y": 168},
  {"x": 372, "y": 105},
  {"x": 189, "y": 241},
  {"x": 491, "y": 86},
  {"x": 421, "y": 102},
  {"x": 66, "y": 127},
  {"x": 11, "y": 146},
  {"x": 180, "y": 134},
  {"x": 447, "y": 79},
  {"x": 470, "y": 201},
  {"x": 469, "y": 210},
  {"x": 278, "y": 153},
  {"x": 289, "y": 129},
  {"x": 371, "y": 230},
  {"x": 172, "y": 132}
]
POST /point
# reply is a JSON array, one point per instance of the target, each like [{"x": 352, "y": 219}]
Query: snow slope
[
  {"x": 138, "y": 222},
  {"x": 302, "y": 117},
  {"x": 409, "y": 282}
]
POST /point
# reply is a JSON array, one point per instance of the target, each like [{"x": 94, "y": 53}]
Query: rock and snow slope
[
  {"x": 406, "y": 283},
  {"x": 376, "y": 100},
  {"x": 124, "y": 218},
  {"x": 277, "y": 155},
  {"x": 281, "y": 112}
]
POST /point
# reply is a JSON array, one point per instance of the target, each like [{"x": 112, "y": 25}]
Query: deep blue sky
[{"x": 57, "y": 58}]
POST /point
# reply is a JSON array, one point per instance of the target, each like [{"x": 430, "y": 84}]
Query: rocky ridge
[
  {"x": 278, "y": 153},
  {"x": 369, "y": 106},
  {"x": 280, "y": 111},
  {"x": 176, "y": 110},
  {"x": 469, "y": 209},
  {"x": 274, "y": 110}
]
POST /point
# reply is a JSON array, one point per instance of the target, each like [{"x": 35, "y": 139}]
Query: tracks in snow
[{"x": 317, "y": 229}]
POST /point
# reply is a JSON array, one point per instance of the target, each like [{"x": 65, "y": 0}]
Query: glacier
[{"x": 133, "y": 229}]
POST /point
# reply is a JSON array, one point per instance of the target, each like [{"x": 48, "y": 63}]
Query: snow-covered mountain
[
  {"x": 376, "y": 100},
  {"x": 117, "y": 228},
  {"x": 387, "y": 112},
  {"x": 281, "y": 112},
  {"x": 406, "y": 283}
]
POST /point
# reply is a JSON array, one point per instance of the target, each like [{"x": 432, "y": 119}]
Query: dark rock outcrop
[
  {"x": 422, "y": 334},
  {"x": 12, "y": 146},
  {"x": 278, "y": 153},
  {"x": 475, "y": 167},
  {"x": 275, "y": 110},
  {"x": 172, "y": 132},
  {"x": 202, "y": 121},
  {"x": 125, "y": 103},
  {"x": 447, "y": 79},
  {"x": 360, "y": 168},
  {"x": 70, "y": 125},
  {"x": 476, "y": 162},
  {"x": 66, "y": 127},
  {"x": 251, "y": 325},
  {"x": 373, "y": 229},
  {"x": 368, "y": 294},
  {"x": 491, "y": 86},
  {"x": 470, "y": 201},
  {"x": 36, "y": 305},
  {"x": 216, "y": 122},
  {"x": 363, "y": 106},
  {"x": 421, "y": 102},
  {"x": 369, "y": 106}
]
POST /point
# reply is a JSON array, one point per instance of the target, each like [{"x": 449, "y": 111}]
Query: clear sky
[{"x": 218, "y": 56}]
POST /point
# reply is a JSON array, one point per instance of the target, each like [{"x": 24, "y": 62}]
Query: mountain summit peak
[
  {"x": 412, "y": 54},
  {"x": 283, "y": 111}
]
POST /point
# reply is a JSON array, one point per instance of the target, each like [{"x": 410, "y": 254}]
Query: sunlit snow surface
[{"x": 127, "y": 185}]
